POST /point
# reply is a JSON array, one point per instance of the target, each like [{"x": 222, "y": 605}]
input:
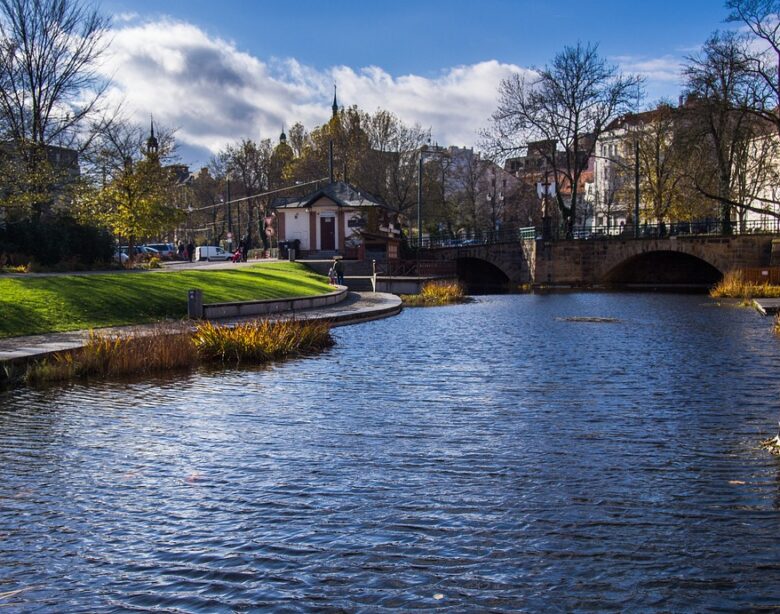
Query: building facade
[{"x": 338, "y": 219}]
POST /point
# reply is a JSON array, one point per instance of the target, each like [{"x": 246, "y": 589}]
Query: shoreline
[{"x": 16, "y": 353}]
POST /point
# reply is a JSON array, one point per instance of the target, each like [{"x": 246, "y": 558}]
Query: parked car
[
  {"x": 210, "y": 252},
  {"x": 166, "y": 251},
  {"x": 140, "y": 252}
]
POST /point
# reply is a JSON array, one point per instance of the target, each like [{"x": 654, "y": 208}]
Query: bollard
[{"x": 195, "y": 304}]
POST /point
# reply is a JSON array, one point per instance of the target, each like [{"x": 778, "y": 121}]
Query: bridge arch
[
  {"x": 662, "y": 267},
  {"x": 481, "y": 276}
]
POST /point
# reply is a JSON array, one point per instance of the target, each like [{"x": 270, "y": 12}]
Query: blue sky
[{"x": 437, "y": 62}]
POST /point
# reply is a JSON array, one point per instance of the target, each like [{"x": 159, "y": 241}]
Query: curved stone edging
[{"x": 216, "y": 311}]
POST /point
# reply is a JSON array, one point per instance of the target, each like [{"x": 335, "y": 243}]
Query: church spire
[
  {"x": 152, "y": 146},
  {"x": 335, "y": 106}
]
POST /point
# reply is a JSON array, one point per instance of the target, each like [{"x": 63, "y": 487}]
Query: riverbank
[{"x": 16, "y": 353}]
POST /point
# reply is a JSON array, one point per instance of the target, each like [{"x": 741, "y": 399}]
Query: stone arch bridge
[{"x": 672, "y": 261}]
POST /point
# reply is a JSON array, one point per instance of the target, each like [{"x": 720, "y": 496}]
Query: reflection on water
[{"x": 502, "y": 455}]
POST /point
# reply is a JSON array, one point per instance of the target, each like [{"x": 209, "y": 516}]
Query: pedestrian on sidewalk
[{"x": 338, "y": 267}]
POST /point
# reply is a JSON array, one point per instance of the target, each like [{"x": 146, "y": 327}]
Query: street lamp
[{"x": 636, "y": 184}]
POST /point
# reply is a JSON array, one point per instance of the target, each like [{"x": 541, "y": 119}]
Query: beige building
[{"x": 338, "y": 219}]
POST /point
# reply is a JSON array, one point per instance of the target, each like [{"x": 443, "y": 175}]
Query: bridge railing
[
  {"x": 603, "y": 232},
  {"x": 505, "y": 235},
  {"x": 416, "y": 268},
  {"x": 664, "y": 230}
]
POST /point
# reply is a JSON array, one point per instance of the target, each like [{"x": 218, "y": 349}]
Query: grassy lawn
[{"x": 35, "y": 305}]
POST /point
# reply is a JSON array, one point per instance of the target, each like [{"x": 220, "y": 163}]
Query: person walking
[
  {"x": 190, "y": 250},
  {"x": 246, "y": 247},
  {"x": 338, "y": 267}
]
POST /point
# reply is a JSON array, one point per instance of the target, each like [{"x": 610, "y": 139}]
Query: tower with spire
[
  {"x": 152, "y": 147},
  {"x": 335, "y": 106}
]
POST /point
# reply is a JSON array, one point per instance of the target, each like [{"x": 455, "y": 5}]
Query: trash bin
[
  {"x": 283, "y": 246},
  {"x": 195, "y": 304},
  {"x": 291, "y": 254}
]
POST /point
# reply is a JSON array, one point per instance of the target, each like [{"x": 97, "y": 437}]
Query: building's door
[{"x": 327, "y": 233}]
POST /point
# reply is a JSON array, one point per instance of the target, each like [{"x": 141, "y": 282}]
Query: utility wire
[{"x": 258, "y": 195}]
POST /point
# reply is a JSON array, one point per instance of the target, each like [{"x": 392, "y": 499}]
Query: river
[{"x": 490, "y": 456}]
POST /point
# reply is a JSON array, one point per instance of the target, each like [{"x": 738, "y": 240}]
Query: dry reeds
[
  {"x": 167, "y": 348},
  {"x": 734, "y": 285},
  {"x": 104, "y": 355},
  {"x": 436, "y": 293},
  {"x": 261, "y": 341}
]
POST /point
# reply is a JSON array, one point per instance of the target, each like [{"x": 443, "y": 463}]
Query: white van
[{"x": 210, "y": 252}]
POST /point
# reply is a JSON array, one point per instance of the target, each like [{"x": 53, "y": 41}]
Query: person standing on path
[
  {"x": 338, "y": 267},
  {"x": 190, "y": 250}
]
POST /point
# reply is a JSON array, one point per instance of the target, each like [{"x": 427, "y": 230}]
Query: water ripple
[{"x": 498, "y": 456}]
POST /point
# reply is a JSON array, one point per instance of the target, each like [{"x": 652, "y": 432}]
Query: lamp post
[
  {"x": 229, "y": 218},
  {"x": 636, "y": 185},
  {"x": 419, "y": 200},
  {"x": 544, "y": 188}
]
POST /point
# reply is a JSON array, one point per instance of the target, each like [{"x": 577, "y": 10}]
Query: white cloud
[
  {"x": 666, "y": 69},
  {"x": 125, "y": 17},
  {"x": 215, "y": 93}
]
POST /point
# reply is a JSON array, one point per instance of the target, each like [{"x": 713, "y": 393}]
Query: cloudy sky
[{"x": 222, "y": 71}]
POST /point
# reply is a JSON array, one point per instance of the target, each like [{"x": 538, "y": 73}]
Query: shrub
[{"x": 55, "y": 240}]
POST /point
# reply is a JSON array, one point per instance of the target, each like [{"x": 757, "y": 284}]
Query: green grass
[{"x": 35, "y": 305}]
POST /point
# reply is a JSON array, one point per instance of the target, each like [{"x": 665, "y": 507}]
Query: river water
[{"x": 491, "y": 456}]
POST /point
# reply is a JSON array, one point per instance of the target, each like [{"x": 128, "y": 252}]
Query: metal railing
[
  {"x": 505, "y": 235},
  {"x": 624, "y": 231},
  {"x": 415, "y": 268}
]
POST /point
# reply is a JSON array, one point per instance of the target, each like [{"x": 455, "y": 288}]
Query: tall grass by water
[
  {"x": 734, "y": 285},
  {"x": 167, "y": 348},
  {"x": 436, "y": 293},
  {"x": 260, "y": 340}
]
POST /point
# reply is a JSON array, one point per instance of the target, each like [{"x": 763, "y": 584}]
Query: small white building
[{"x": 338, "y": 219}]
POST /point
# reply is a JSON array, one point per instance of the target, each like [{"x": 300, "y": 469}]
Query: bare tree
[
  {"x": 762, "y": 17},
  {"x": 48, "y": 55},
  {"x": 721, "y": 124},
  {"x": 391, "y": 172},
  {"x": 568, "y": 103},
  {"x": 663, "y": 165},
  {"x": 249, "y": 166},
  {"x": 49, "y": 88}
]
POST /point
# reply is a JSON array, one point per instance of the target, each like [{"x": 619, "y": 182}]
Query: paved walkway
[{"x": 357, "y": 307}]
